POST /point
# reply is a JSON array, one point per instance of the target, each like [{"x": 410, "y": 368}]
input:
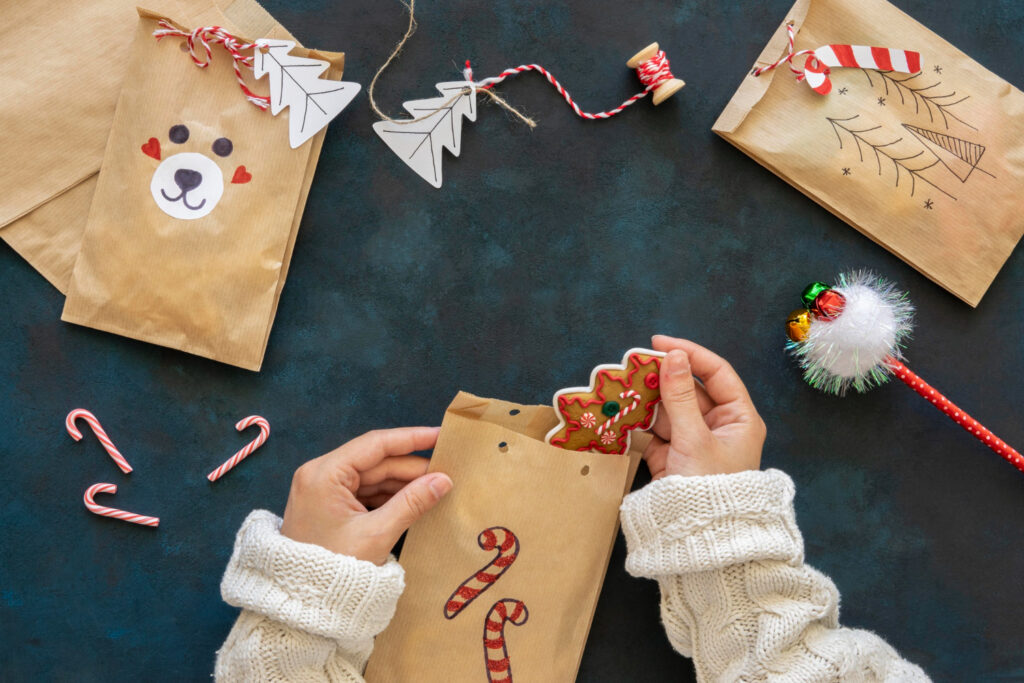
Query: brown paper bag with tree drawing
[
  {"x": 59, "y": 179},
  {"x": 930, "y": 166},
  {"x": 206, "y": 282},
  {"x": 562, "y": 508}
]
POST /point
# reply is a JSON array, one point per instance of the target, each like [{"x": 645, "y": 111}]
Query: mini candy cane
[
  {"x": 499, "y": 670},
  {"x": 108, "y": 445},
  {"x": 114, "y": 512},
  {"x": 496, "y": 537},
  {"x": 241, "y": 455},
  {"x": 629, "y": 393}
]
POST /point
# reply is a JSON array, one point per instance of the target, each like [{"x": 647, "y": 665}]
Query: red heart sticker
[
  {"x": 241, "y": 175},
  {"x": 152, "y": 149}
]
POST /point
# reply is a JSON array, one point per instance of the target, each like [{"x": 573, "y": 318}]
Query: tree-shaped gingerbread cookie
[{"x": 620, "y": 399}]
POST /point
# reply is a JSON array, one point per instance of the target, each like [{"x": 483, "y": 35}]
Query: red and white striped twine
[
  {"x": 241, "y": 455},
  {"x": 652, "y": 73},
  {"x": 980, "y": 432},
  {"x": 204, "y": 35},
  {"x": 100, "y": 433},
  {"x": 104, "y": 511},
  {"x": 789, "y": 57}
]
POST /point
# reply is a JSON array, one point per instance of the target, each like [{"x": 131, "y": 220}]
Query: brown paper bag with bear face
[
  {"x": 554, "y": 512},
  {"x": 50, "y": 235},
  {"x": 195, "y": 210},
  {"x": 930, "y": 166}
]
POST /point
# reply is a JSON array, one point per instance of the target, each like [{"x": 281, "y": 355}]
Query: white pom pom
[{"x": 851, "y": 349}]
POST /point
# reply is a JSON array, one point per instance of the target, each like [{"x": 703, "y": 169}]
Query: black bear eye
[
  {"x": 178, "y": 134},
  {"x": 222, "y": 147}
]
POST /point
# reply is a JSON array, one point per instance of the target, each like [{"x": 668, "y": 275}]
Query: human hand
[
  {"x": 702, "y": 428},
  {"x": 329, "y": 501}
]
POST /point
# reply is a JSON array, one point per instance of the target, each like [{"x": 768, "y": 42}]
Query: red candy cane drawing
[
  {"x": 499, "y": 670},
  {"x": 507, "y": 545}
]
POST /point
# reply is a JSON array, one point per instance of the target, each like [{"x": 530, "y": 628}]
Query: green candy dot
[
  {"x": 611, "y": 409},
  {"x": 812, "y": 291}
]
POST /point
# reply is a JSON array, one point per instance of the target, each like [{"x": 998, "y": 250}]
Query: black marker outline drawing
[
  {"x": 932, "y": 103},
  {"x": 966, "y": 151},
  {"x": 880, "y": 150}
]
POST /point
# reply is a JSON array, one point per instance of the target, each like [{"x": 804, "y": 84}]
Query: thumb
[
  {"x": 413, "y": 501},
  {"x": 679, "y": 398}
]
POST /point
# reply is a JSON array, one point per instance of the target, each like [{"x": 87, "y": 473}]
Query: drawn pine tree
[
  {"x": 884, "y": 153},
  {"x": 958, "y": 155},
  {"x": 436, "y": 124},
  {"x": 295, "y": 82},
  {"x": 933, "y": 104}
]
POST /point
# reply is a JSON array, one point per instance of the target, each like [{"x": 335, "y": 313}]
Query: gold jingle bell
[{"x": 798, "y": 324}]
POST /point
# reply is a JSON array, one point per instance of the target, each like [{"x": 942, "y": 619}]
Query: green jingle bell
[{"x": 812, "y": 291}]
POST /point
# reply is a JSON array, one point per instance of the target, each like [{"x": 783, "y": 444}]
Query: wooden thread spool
[{"x": 666, "y": 89}]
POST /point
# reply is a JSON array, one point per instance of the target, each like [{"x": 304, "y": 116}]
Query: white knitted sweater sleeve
[
  {"x": 736, "y": 595},
  {"x": 307, "y": 614}
]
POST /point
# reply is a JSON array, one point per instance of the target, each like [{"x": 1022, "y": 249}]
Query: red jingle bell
[{"x": 828, "y": 304}]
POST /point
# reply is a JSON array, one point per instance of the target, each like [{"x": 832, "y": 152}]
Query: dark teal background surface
[{"x": 545, "y": 253}]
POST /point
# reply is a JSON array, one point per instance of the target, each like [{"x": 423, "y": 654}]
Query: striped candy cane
[
  {"x": 499, "y": 670},
  {"x": 507, "y": 545},
  {"x": 114, "y": 512},
  {"x": 100, "y": 433},
  {"x": 822, "y": 60},
  {"x": 241, "y": 455},
  {"x": 623, "y": 412}
]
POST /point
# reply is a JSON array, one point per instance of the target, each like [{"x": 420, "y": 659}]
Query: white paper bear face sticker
[{"x": 188, "y": 185}]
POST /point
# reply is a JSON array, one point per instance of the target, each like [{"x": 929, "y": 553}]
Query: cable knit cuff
[
  {"x": 678, "y": 525},
  {"x": 308, "y": 587}
]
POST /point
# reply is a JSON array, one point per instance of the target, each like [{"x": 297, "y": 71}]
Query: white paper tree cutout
[
  {"x": 295, "y": 83},
  {"x": 419, "y": 144}
]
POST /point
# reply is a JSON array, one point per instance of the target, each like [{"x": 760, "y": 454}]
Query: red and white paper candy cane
[
  {"x": 104, "y": 511},
  {"x": 241, "y": 455},
  {"x": 494, "y": 538},
  {"x": 499, "y": 670},
  {"x": 100, "y": 433},
  {"x": 820, "y": 61},
  {"x": 623, "y": 412}
]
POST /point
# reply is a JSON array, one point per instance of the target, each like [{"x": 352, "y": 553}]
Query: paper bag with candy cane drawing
[
  {"x": 502, "y": 578},
  {"x": 199, "y": 196},
  {"x": 924, "y": 156}
]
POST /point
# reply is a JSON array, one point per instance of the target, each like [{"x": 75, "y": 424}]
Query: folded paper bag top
[
  {"x": 195, "y": 210},
  {"x": 553, "y": 518},
  {"x": 929, "y": 165}
]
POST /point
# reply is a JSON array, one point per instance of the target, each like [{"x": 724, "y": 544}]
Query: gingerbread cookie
[{"x": 620, "y": 399}]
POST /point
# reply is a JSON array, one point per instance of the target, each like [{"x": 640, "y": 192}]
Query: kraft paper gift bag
[
  {"x": 49, "y": 236},
  {"x": 542, "y": 518},
  {"x": 61, "y": 64},
  {"x": 929, "y": 165},
  {"x": 200, "y": 270}
]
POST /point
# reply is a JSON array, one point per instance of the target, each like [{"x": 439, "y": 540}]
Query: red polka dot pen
[{"x": 852, "y": 336}]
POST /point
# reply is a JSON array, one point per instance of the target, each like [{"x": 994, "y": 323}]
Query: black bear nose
[{"x": 186, "y": 178}]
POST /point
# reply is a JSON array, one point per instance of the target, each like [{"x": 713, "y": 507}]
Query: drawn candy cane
[
  {"x": 499, "y": 670},
  {"x": 507, "y": 545},
  {"x": 100, "y": 433},
  {"x": 623, "y": 412},
  {"x": 114, "y": 512},
  {"x": 241, "y": 455}
]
